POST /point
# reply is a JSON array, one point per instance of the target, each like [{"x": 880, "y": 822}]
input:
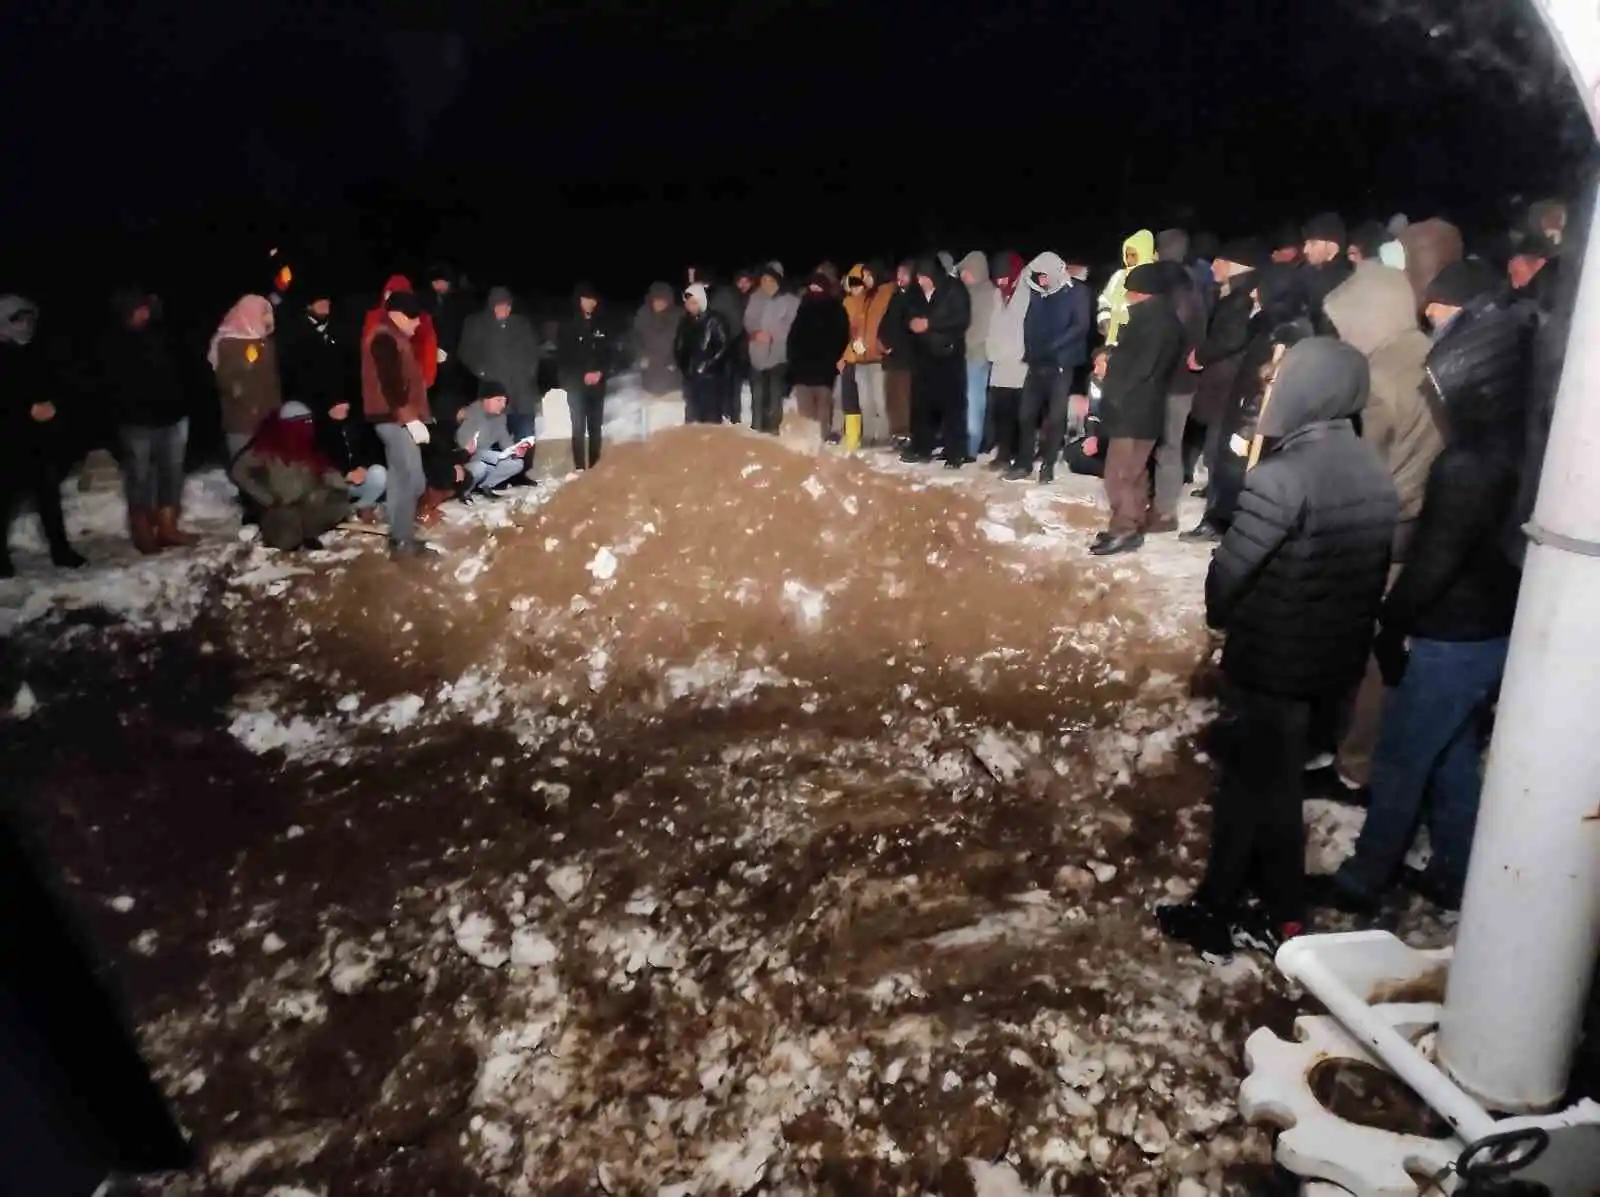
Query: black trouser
[
  {"x": 702, "y": 394},
  {"x": 1005, "y": 409},
  {"x": 30, "y": 469},
  {"x": 1079, "y": 462},
  {"x": 939, "y": 406},
  {"x": 1225, "y": 481},
  {"x": 1045, "y": 399},
  {"x": 587, "y": 406},
  {"x": 767, "y": 389},
  {"x": 1257, "y": 828}
]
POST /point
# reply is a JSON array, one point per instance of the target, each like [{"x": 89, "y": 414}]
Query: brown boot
[
  {"x": 142, "y": 526},
  {"x": 428, "y": 513},
  {"x": 168, "y": 532}
]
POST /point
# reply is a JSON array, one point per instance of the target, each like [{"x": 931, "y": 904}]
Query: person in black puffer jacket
[
  {"x": 1453, "y": 602},
  {"x": 940, "y": 310},
  {"x": 1295, "y": 586},
  {"x": 817, "y": 340},
  {"x": 702, "y": 349}
]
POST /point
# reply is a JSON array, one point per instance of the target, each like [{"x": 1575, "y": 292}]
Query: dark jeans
[
  {"x": 30, "y": 469},
  {"x": 767, "y": 389},
  {"x": 939, "y": 407},
  {"x": 1257, "y": 828},
  {"x": 702, "y": 398},
  {"x": 1225, "y": 481},
  {"x": 1005, "y": 410},
  {"x": 1043, "y": 424},
  {"x": 733, "y": 393},
  {"x": 1430, "y": 742},
  {"x": 587, "y": 406},
  {"x": 152, "y": 464}
]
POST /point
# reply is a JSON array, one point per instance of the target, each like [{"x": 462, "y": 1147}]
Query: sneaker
[
  {"x": 1319, "y": 762},
  {"x": 1198, "y": 925},
  {"x": 416, "y": 547}
]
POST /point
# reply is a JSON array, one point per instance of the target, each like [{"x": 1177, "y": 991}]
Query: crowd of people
[{"x": 1368, "y": 407}]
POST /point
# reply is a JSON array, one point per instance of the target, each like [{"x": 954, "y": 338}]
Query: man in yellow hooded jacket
[{"x": 1112, "y": 311}]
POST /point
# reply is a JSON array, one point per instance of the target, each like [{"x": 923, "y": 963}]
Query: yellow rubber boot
[{"x": 852, "y": 433}]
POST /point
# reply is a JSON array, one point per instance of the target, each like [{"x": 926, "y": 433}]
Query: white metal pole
[{"x": 1530, "y": 923}]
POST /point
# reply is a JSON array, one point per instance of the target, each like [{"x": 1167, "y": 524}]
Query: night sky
[{"x": 172, "y": 140}]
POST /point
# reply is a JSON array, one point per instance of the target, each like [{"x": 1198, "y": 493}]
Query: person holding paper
[
  {"x": 394, "y": 398},
  {"x": 493, "y": 459}
]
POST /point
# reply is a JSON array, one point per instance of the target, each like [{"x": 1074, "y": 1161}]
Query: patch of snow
[
  {"x": 810, "y": 605},
  {"x": 567, "y": 882},
  {"x": 474, "y": 935},
  {"x": 24, "y": 704},
  {"x": 604, "y": 565}
]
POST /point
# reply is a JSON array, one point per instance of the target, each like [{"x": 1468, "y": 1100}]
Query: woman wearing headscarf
[
  {"x": 245, "y": 361},
  {"x": 28, "y": 425}
]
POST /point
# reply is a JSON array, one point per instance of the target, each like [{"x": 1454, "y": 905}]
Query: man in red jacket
[{"x": 394, "y": 396}]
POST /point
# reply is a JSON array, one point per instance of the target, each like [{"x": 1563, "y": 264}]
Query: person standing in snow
[
  {"x": 311, "y": 365},
  {"x": 973, "y": 270},
  {"x": 896, "y": 342},
  {"x": 29, "y": 450},
  {"x": 866, "y": 414},
  {"x": 1055, "y": 336},
  {"x": 739, "y": 374},
  {"x": 424, "y": 343},
  {"x": 818, "y": 339},
  {"x": 1295, "y": 588},
  {"x": 1327, "y": 261},
  {"x": 152, "y": 416},
  {"x": 729, "y": 303},
  {"x": 449, "y": 307},
  {"x": 499, "y": 343},
  {"x": 1134, "y": 410},
  {"x": 394, "y": 398},
  {"x": 1006, "y": 349},
  {"x": 1137, "y": 250},
  {"x": 244, "y": 359},
  {"x": 940, "y": 314},
  {"x": 655, "y": 337},
  {"x": 1170, "y": 465},
  {"x": 702, "y": 353},
  {"x": 767, "y": 321},
  {"x": 585, "y": 357}
]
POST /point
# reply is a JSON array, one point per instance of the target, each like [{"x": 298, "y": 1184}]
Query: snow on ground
[{"x": 607, "y": 855}]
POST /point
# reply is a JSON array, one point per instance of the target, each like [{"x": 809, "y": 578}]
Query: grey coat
[
  {"x": 655, "y": 336},
  {"x": 772, "y": 314},
  {"x": 491, "y": 432},
  {"x": 504, "y": 351}
]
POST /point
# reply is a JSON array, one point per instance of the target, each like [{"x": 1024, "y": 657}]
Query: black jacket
[
  {"x": 702, "y": 345},
  {"x": 817, "y": 340},
  {"x": 1318, "y": 282},
  {"x": 948, "y": 312},
  {"x": 349, "y": 443},
  {"x": 1141, "y": 369},
  {"x": 139, "y": 378},
  {"x": 24, "y": 381},
  {"x": 893, "y": 331},
  {"x": 1458, "y": 583},
  {"x": 1190, "y": 308},
  {"x": 584, "y": 347},
  {"x": 1218, "y": 355},
  {"x": 1298, "y": 580},
  {"x": 450, "y": 312},
  {"x": 311, "y": 366}
]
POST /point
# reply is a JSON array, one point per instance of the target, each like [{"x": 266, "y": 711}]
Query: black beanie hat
[
  {"x": 488, "y": 388},
  {"x": 404, "y": 302},
  {"x": 1326, "y": 226},
  {"x": 1153, "y": 278},
  {"x": 1283, "y": 237},
  {"x": 1244, "y": 252},
  {"x": 1459, "y": 283},
  {"x": 928, "y": 266}
]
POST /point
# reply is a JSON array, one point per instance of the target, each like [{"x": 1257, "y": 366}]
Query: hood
[
  {"x": 857, "y": 271},
  {"x": 1143, "y": 244},
  {"x": 947, "y": 260},
  {"x": 1429, "y": 247},
  {"x": 397, "y": 282},
  {"x": 978, "y": 263},
  {"x": 1054, "y": 270},
  {"x": 660, "y": 291},
  {"x": 1006, "y": 270},
  {"x": 12, "y": 310},
  {"x": 497, "y": 295},
  {"x": 697, "y": 292},
  {"x": 1372, "y": 307},
  {"x": 1320, "y": 379}
]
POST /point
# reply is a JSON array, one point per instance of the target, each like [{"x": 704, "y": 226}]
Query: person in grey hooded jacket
[
  {"x": 768, "y": 317},
  {"x": 500, "y": 344},
  {"x": 974, "y": 274},
  {"x": 655, "y": 336}
]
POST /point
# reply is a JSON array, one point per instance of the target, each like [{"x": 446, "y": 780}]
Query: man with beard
[
  {"x": 499, "y": 344},
  {"x": 1134, "y": 410},
  {"x": 940, "y": 313},
  {"x": 1327, "y": 263}
]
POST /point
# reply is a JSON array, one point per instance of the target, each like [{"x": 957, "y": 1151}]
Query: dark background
[{"x": 173, "y": 141}]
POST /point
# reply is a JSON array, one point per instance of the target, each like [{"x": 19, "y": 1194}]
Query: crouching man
[
  {"x": 493, "y": 458},
  {"x": 1295, "y": 586},
  {"x": 351, "y": 447},
  {"x": 300, "y": 491}
]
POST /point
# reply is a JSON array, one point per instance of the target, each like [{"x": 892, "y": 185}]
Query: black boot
[
  {"x": 64, "y": 556},
  {"x": 1112, "y": 545},
  {"x": 1205, "y": 532}
]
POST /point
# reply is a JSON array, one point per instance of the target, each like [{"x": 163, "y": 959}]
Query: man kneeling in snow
[
  {"x": 493, "y": 460},
  {"x": 301, "y": 493}
]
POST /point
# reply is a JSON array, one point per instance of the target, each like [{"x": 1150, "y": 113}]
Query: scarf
[
  {"x": 248, "y": 320},
  {"x": 293, "y": 441},
  {"x": 1007, "y": 280}
]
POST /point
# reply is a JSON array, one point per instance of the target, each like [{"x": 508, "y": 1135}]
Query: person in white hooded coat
[{"x": 1003, "y": 346}]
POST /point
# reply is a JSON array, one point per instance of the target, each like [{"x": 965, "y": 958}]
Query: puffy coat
[
  {"x": 1141, "y": 369},
  {"x": 1055, "y": 328},
  {"x": 817, "y": 340},
  {"x": 702, "y": 345},
  {"x": 982, "y": 296},
  {"x": 1113, "y": 306},
  {"x": 139, "y": 377},
  {"x": 504, "y": 351},
  {"x": 301, "y": 492},
  {"x": 311, "y": 367},
  {"x": 948, "y": 312},
  {"x": 424, "y": 343},
  {"x": 1298, "y": 580},
  {"x": 1375, "y": 312},
  {"x": 655, "y": 337}
]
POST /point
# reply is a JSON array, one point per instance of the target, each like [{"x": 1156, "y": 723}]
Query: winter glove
[{"x": 1392, "y": 655}]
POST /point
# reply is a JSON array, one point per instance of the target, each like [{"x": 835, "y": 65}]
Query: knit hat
[
  {"x": 1369, "y": 237},
  {"x": 1150, "y": 279},
  {"x": 774, "y": 268},
  {"x": 293, "y": 409},
  {"x": 488, "y": 388},
  {"x": 1326, "y": 226},
  {"x": 1243, "y": 252},
  {"x": 1459, "y": 283},
  {"x": 929, "y": 266},
  {"x": 404, "y": 302},
  {"x": 1285, "y": 236},
  {"x": 696, "y": 292}
]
